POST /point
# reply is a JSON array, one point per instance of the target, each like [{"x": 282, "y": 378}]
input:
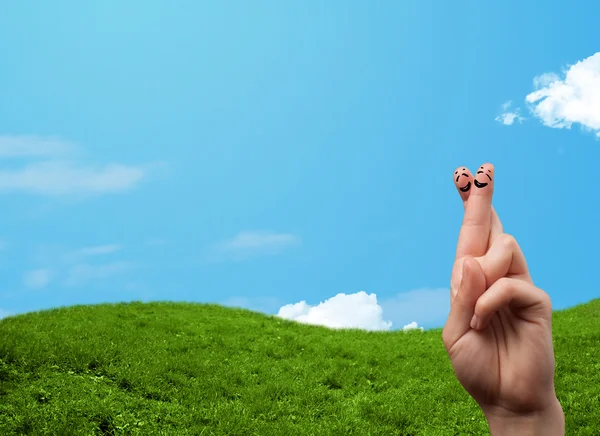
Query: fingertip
[
  {"x": 460, "y": 172},
  {"x": 484, "y": 177},
  {"x": 474, "y": 321},
  {"x": 463, "y": 180}
]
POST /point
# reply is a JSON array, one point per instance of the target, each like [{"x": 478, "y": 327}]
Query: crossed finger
[
  {"x": 498, "y": 255},
  {"x": 481, "y": 225},
  {"x": 502, "y": 249},
  {"x": 503, "y": 261},
  {"x": 463, "y": 180}
]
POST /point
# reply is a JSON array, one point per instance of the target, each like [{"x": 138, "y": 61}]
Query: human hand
[{"x": 499, "y": 330}]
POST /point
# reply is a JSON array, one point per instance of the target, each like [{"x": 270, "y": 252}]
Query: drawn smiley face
[
  {"x": 482, "y": 173},
  {"x": 462, "y": 173}
]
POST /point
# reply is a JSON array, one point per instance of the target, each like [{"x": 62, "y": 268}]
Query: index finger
[
  {"x": 473, "y": 239},
  {"x": 463, "y": 180}
]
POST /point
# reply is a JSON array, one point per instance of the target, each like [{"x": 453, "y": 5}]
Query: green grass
[{"x": 193, "y": 369}]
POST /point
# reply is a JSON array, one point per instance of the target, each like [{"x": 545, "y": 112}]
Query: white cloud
[
  {"x": 560, "y": 103},
  {"x": 412, "y": 326},
  {"x": 429, "y": 306},
  {"x": 509, "y": 117},
  {"x": 544, "y": 80},
  {"x": 359, "y": 310},
  {"x": 100, "y": 249},
  {"x": 83, "y": 273},
  {"x": 33, "y": 146},
  {"x": 37, "y": 278},
  {"x": 251, "y": 243}
]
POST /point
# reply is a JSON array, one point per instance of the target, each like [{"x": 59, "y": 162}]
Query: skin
[{"x": 499, "y": 331}]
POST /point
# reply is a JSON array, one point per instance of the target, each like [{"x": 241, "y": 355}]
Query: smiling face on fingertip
[
  {"x": 462, "y": 179},
  {"x": 484, "y": 176}
]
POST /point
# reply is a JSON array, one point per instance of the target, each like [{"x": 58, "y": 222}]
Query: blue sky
[{"x": 282, "y": 152}]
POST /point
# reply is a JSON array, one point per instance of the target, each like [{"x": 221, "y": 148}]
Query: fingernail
[
  {"x": 484, "y": 176},
  {"x": 474, "y": 322}
]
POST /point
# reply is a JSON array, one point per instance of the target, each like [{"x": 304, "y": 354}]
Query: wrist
[{"x": 547, "y": 422}]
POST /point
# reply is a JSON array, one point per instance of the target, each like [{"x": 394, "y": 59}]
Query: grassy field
[{"x": 192, "y": 369}]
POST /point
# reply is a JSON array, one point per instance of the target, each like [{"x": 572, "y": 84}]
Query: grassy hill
[{"x": 193, "y": 369}]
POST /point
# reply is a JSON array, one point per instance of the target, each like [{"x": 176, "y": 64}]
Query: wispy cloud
[
  {"x": 34, "y": 146},
  {"x": 252, "y": 243},
  {"x": 359, "y": 310},
  {"x": 428, "y": 306},
  {"x": 83, "y": 273},
  {"x": 100, "y": 249},
  {"x": 157, "y": 242},
  {"x": 74, "y": 267},
  {"x": 38, "y": 278},
  {"x": 63, "y": 178},
  {"x": 5, "y": 313},
  {"x": 560, "y": 103},
  {"x": 508, "y": 117},
  {"x": 52, "y": 169}
]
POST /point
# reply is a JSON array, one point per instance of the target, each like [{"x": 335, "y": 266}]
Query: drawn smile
[
  {"x": 467, "y": 186},
  {"x": 482, "y": 184}
]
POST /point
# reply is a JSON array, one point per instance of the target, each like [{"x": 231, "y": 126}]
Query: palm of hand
[{"x": 506, "y": 363}]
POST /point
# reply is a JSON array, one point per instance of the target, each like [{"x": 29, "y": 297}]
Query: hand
[{"x": 499, "y": 330}]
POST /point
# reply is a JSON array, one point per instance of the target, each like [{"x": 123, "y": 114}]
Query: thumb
[{"x": 463, "y": 306}]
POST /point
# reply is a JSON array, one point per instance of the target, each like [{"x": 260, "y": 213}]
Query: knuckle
[
  {"x": 546, "y": 298},
  {"x": 504, "y": 284},
  {"x": 509, "y": 241},
  {"x": 545, "y": 303},
  {"x": 506, "y": 287}
]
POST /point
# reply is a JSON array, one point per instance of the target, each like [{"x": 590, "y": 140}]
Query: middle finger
[{"x": 463, "y": 180}]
